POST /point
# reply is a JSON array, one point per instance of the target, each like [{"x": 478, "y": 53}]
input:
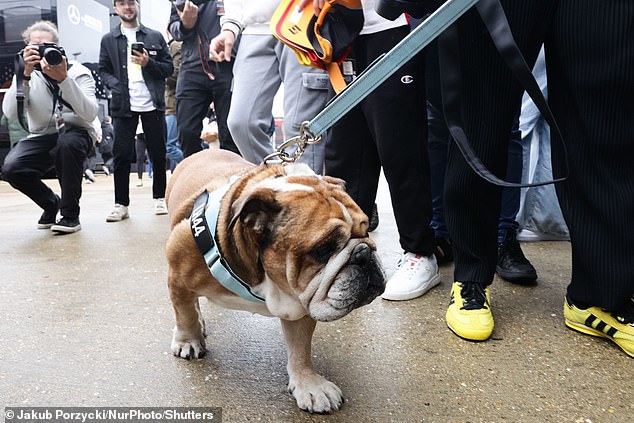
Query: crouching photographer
[{"x": 59, "y": 102}]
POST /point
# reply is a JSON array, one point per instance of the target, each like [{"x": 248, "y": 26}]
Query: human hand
[
  {"x": 189, "y": 14},
  {"x": 317, "y": 4},
  {"x": 56, "y": 72},
  {"x": 140, "y": 58},
  {"x": 31, "y": 58},
  {"x": 221, "y": 45}
]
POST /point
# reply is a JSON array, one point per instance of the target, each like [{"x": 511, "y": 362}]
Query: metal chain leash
[{"x": 300, "y": 141}]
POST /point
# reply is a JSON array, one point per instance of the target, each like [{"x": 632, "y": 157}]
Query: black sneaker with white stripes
[{"x": 66, "y": 225}]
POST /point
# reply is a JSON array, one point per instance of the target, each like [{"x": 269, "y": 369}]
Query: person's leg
[
  {"x": 394, "y": 115},
  {"x": 592, "y": 102},
  {"x": 471, "y": 204},
  {"x": 193, "y": 98},
  {"x": 72, "y": 149},
  {"x": 438, "y": 139},
  {"x": 438, "y": 144},
  {"x": 173, "y": 150},
  {"x": 256, "y": 77},
  {"x": 591, "y": 97},
  {"x": 305, "y": 95},
  {"x": 155, "y": 132},
  {"x": 123, "y": 150},
  {"x": 222, "y": 101},
  {"x": 351, "y": 155},
  {"x": 510, "y": 202},
  {"x": 26, "y": 164},
  {"x": 512, "y": 264},
  {"x": 140, "y": 148},
  {"x": 489, "y": 99}
]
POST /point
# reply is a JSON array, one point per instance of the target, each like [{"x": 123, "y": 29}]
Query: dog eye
[{"x": 323, "y": 252}]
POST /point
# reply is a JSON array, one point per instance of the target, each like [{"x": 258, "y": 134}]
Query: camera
[
  {"x": 49, "y": 51},
  {"x": 180, "y": 4}
]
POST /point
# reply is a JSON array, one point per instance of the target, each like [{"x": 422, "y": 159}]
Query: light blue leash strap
[{"x": 385, "y": 66}]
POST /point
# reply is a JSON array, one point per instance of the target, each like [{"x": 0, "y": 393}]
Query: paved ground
[{"x": 85, "y": 320}]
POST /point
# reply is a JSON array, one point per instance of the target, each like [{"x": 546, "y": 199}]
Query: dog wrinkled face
[{"x": 330, "y": 265}]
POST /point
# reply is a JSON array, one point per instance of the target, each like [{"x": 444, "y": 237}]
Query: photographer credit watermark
[{"x": 113, "y": 414}]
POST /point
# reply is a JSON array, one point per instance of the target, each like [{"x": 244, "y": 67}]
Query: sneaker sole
[
  {"x": 160, "y": 213},
  {"x": 65, "y": 229},
  {"x": 413, "y": 294},
  {"x": 44, "y": 225},
  {"x": 515, "y": 278},
  {"x": 579, "y": 327},
  {"x": 116, "y": 219},
  {"x": 474, "y": 336}
]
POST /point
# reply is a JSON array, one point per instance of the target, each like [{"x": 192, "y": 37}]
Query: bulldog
[{"x": 277, "y": 240}]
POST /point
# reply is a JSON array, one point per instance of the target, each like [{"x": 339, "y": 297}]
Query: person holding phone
[{"x": 133, "y": 62}]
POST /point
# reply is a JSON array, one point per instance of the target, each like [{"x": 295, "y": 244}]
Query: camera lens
[{"x": 53, "y": 56}]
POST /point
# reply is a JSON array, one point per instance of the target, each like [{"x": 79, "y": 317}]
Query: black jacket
[
  {"x": 196, "y": 41},
  {"x": 113, "y": 64}
]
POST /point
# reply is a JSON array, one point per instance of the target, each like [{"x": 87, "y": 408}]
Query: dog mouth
[{"x": 357, "y": 283}]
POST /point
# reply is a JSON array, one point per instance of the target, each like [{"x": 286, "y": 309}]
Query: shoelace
[
  {"x": 409, "y": 265},
  {"x": 473, "y": 296}
]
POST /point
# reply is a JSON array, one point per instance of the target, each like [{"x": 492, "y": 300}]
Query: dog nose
[{"x": 361, "y": 254}]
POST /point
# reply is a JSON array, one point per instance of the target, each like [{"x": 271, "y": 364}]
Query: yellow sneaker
[
  {"x": 469, "y": 313},
  {"x": 598, "y": 322}
]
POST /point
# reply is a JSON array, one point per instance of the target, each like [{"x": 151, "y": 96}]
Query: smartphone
[{"x": 138, "y": 46}]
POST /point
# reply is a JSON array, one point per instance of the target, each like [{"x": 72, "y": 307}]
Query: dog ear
[
  {"x": 331, "y": 180},
  {"x": 256, "y": 211}
]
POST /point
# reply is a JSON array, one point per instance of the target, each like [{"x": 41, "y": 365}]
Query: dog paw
[
  {"x": 316, "y": 394},
  {"x": 188, "y": 350},
  {"x": 186, "y": 346}
]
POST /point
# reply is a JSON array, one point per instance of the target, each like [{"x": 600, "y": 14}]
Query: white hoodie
[
  {"x": 248, "y": 16},
  {"x": 253, "y": 17}
]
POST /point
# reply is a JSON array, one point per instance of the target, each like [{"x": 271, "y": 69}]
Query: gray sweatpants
[{"x": 262, "y": 64}]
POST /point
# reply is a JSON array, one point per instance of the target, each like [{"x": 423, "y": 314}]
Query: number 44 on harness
[{"x": 320, "y": 41}]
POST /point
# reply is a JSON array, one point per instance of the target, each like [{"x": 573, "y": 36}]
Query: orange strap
[{"x": 336, "y": 78}]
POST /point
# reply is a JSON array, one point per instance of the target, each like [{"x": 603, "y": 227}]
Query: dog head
[{"x": 306, "y": 242}]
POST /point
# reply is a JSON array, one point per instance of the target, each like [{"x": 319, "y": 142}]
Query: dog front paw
[
  {"x": 187, "y": 347},
  {"x": 316, "y": 394}
]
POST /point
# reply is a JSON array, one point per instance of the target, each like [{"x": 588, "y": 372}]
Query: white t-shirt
[{"x": 140, "y": 98}]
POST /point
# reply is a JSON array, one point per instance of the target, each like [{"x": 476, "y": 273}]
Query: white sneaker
[
  {"x": 159, "y": 206},
  {"x": 139, "y": 183},
  {"x": 118, "y": 213},
  {"x": 415, "y": 275}
]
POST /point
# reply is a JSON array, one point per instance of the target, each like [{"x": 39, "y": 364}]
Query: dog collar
[{"x": 205, "y": 216}]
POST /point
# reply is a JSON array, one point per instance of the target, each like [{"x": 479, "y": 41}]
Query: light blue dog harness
[{"x": 205, "y": 216}]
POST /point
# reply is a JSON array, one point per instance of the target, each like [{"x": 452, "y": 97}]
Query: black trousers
[
  {"x": 387, "y": 129},
  {"x": 32, "y": 158},
  {"x": 590, "y": 62},
  {"x": 155, "y": 131},
  {"x": 194, "y": 93}
]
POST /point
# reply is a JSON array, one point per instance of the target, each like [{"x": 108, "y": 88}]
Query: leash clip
[{"x": 300, "y": 141}]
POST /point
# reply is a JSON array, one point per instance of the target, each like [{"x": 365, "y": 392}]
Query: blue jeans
[
  {"x": 510, "y": 202},
  {"x": 173, "y": 150}
]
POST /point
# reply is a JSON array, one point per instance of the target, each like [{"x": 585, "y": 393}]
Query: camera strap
[
  {"x": 203, "y": 54},
  {"x": 19, "y": 89}
]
